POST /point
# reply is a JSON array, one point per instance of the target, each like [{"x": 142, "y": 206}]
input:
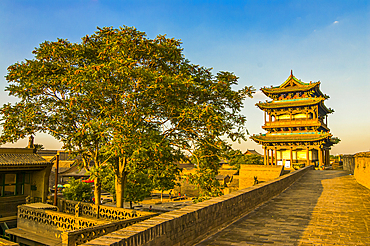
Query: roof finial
[{"x": 291, "y": 72}]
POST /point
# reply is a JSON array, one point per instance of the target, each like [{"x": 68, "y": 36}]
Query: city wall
[
  {"x": 362, "y": 168},
  {"x": 262, "y": 172},
  {"x": 358, "y": 165},
  {"x": 193, "y": 223},
  {"x": 349, "y": 163}
]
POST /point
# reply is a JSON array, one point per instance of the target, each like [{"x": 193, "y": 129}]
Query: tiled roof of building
[
  {"x": 21, "y": 157},
  {"x": 74, "y": 172},
  {"x": 251, "y": 152},
  {"x": 292, "y": 84}
]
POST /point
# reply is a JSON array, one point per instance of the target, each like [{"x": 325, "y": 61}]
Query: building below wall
[{"x": 24, "y": 177}]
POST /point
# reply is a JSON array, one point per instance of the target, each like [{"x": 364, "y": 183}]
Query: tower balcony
[{"x": 294, "y": 123}]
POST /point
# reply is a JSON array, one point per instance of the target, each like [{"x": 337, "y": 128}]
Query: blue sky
[{"x": 260, "y": 41}]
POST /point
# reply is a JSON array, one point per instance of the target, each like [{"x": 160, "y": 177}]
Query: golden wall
[
  {"x": 362, "y": 168},
  {"x": 263, "y": 173}
]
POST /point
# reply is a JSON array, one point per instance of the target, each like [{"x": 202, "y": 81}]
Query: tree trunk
[
  {"x": 120, "y": 181},
  {"x": 97, "y": 190},
  {"x": 161, "y": 195}
]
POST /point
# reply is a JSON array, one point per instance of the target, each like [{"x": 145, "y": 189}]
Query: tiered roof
[
  {"x": 294, "y": 137},
  {"x": 312, "y": 95},
  {"x": 291, "y": 94},
  {"x": 292, "y": 84}
]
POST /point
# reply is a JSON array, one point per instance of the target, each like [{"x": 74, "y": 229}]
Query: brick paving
[{"x": 322, "y": 208}]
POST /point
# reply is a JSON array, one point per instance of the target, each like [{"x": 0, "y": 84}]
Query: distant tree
[
  {"x": 108, "y": 179},
  {"x": 207, "y": 161},
  {"x": 119, "y": 98},
  {"x": 138, "y": 186},
  {"x": 39, "y": 146},
  {"x": 236, "y": 157},
  {"x": 334, "y": 157},
  {"x": 77, "y": 191},
  {"x": 164, "y": 176}
]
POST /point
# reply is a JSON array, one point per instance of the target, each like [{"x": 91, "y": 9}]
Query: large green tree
[{"x": 119, "y": 97}]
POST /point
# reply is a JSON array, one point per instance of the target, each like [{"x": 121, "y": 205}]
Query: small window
[
  {"x": 9, "y": 190},
  {"x": 12, "y": 184}
]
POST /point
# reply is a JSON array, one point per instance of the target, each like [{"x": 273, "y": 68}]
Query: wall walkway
[
  {"x": 324, "y": 208},
  {"x": 189, "y": 225}
]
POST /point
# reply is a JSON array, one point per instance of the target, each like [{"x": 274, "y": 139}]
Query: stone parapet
[
  {"x": 349, "y": 163},
  {"x": 191, "y": 224},
  {"x": 262, "y": 172},
  {"x": 362, "y": 168}
]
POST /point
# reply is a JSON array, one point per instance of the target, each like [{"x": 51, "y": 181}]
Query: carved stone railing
[
  {"x": 81, "y": 236},
  {"x": 60, "y": 221},
  {"x": 71, "y": 228},
  {"x": 100, "y": 211}
]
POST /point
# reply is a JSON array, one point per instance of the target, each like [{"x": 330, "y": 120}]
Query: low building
[{"x": 24, "y": 175}]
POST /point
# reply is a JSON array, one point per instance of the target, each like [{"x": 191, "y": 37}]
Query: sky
[{"x": 259, "y": 41}]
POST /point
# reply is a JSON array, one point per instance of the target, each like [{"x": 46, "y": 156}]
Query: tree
[
  {"x": 55, "y": 99},
  {"x": 164, "y": 176},
  {"x": 107, "y": 180},
  {"x": 122, "y": 99},
  {"x": 77, "y": 191},
  {"x": 236, "y": 157},
  {"x": 207, "y": 160},
  {"x": 39, "y": 146}
]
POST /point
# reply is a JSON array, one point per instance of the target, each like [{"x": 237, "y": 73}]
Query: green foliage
[
  {"x": 138, "y": 187},
  {"x": 77, "y": 191},
  {"x": 107, "y": 180},
  {"x": 334, "y": 157},
  {"x": 207, "y": 159},
  {"x": 119, "y": 98}
]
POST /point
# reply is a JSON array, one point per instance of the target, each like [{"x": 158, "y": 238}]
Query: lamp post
[{"x": 56, "y": 180}]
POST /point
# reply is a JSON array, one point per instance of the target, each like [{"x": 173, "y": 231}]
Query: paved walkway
[{"x": 322, "y": 208}]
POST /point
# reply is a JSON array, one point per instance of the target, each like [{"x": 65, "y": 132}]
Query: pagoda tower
[{"x": 296, "y": 121}]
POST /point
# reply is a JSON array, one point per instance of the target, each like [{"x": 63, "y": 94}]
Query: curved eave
[
  {"x": 285, "y": 104},
  {"x": 302, "y": 88},
  {"x": 287, "y": 138},
  {"x": 334, "y": 140},
  {"x": 325, "y": 109}
]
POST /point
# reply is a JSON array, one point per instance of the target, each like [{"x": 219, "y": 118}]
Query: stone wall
[
  {"x": 8, "y": 205},
  {"x": 193, "y": 223},
  {"x": 262, "y": 172},
  {"x": 362, "y": 168},
  {"x": 349, "y": 163}
]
